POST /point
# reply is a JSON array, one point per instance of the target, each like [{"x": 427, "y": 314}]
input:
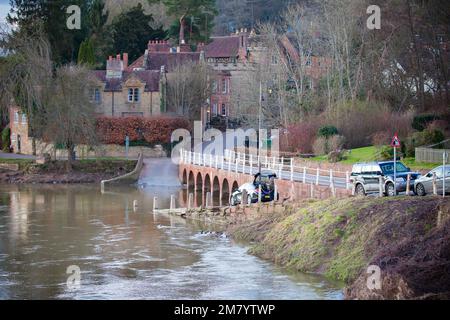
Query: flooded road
[{"x": 127, "y": 252}]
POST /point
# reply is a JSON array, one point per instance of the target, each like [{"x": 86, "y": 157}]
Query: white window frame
[
  {"x": 225, "y": 86},
  {"x": 223, "y": 108},
  {"x": 136, "y": 95},
  {"x": 130, "y": 94}
]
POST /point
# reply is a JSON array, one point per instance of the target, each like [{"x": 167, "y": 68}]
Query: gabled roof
[
  {"x": 170, "y": 60},
  {"x": 223, "y": 47},
  {"x": 149, "y": 77}
]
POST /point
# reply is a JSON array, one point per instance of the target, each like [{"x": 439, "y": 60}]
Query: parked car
[
  {"x": 365, "y": 177},
  {"x": 424, "y": 185},
  {"x": 263, "y": 182}
]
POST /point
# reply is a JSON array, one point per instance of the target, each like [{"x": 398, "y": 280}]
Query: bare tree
[
  {"x": 27, "y": 72},
  {"x": 69, "y": 118},
  {"x": 188, "y": 88}
]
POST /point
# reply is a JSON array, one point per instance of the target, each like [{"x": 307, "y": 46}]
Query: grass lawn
[
  {"x": 356, "y": 155},
  {"x": 369, "y": 154}
]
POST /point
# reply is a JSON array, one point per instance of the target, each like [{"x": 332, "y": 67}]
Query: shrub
[
  {"x": 420, "y": 122},
  {"x": 385, "y": 153},
  {"x": 327, "y": 131},
  {"x": 336, "y": 156},
  {"x": 300, "y": 137},
  {"x": 323, "y": 145},
  {"x": 320, "y": 146},
  {"x": 336, "y": 143},
  {"x": 358, "y": 122},
  {"x": 425, "y": 138},
  {"x": 6, "y": 139},
  {"x": 157, "y": 130}
]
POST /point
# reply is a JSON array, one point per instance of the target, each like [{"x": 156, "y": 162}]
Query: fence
[
  {"x": 285, "y": 168},
  {"x": 424, "y": 154}
]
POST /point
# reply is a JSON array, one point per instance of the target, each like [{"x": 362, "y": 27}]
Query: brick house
[{"x": 18, "y": 124}]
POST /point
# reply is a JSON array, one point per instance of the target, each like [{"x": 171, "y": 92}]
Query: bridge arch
[
  {"x": 185, "y": 177},
  {"x": 207, "y": 183},
  {"x": 199, "y": 182},
  {"x": 216, "y": 190},
  {"x": 234, "y": 186},
  {"x": 225, "y": 194},
  {"x": 191, "y": 180}
]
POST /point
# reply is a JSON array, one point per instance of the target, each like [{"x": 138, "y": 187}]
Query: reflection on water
[{"x": 126, "y": 252}]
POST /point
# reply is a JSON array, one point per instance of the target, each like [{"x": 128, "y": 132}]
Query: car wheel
[
  {"x": 420, "y": 190},
  {"x": 360, "y": 190},
  {"x": 390, "y": 190}
]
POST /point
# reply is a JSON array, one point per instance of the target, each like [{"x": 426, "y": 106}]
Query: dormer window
[{"x": 133, "y": 95}]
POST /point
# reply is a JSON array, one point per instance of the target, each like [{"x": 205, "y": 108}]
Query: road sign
[{"x": 395, "y": 142}]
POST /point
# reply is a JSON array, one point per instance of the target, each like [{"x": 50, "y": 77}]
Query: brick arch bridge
[{"x": 220, "y": 183}]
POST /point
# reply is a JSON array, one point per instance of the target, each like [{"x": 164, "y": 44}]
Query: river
[{"x": 127, "y": 252}]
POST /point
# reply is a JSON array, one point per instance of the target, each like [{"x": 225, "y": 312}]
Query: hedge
[{"x": 156, "y": 130}]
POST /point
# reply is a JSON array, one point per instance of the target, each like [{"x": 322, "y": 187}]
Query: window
[
  {"x": 96, "y": 96},
  {"x": 308, "y": 61},
  {"x": 388, "y": 168},
  {"x": 24, "y": 118},
  {"x": 133, "y": 95},
  {"x": 224, "y": 86},
  {"x": 214, "y": 109},
  {"x": 16, "y": 117},
  {"x": 214, "y": 86},
  {"x": 274, "y": 60},
  {"x": 224, "y": 110}
]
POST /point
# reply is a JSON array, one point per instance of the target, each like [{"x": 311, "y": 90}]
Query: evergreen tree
[
  {"x": 28, "y": 14},
  {"x": 86, "y": 53},
  {"x": 195, "y": 17},
  {"x": 97, "y": 16},
  {"x": 131, "y": 31}
]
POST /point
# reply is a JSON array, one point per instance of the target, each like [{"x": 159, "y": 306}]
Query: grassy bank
[
  {"x": 340, "y": 238},
  {"x": 367, "y": 154}
]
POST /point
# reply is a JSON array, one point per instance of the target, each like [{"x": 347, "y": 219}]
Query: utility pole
[
  {"x": 259, "y": 139},
  {"x": 259, "y": 126}
]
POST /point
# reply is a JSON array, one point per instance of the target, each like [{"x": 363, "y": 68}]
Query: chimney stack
[{"x": 125, "y": 60}]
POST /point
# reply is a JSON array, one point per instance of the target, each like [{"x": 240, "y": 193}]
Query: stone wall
[{"x": 149, "y": 104}]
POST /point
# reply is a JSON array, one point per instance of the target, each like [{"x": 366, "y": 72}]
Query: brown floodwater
[{"x": 127, "y": 252}]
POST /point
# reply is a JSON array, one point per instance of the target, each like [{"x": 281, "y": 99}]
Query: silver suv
[{"x": 366, "y": 177}]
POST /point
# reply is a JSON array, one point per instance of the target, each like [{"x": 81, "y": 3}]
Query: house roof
[
  {"x": 222, "y": 47},
  {"x": 139, "y": 63},
  {"x": 170, "y": 60},
  {"x": 149, "y": 77}
]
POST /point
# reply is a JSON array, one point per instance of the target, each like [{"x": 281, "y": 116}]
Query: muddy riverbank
[{"x": 55, "y": 172}]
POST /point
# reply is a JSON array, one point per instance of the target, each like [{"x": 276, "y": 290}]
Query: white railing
[{"x": 285, "y": 168}]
